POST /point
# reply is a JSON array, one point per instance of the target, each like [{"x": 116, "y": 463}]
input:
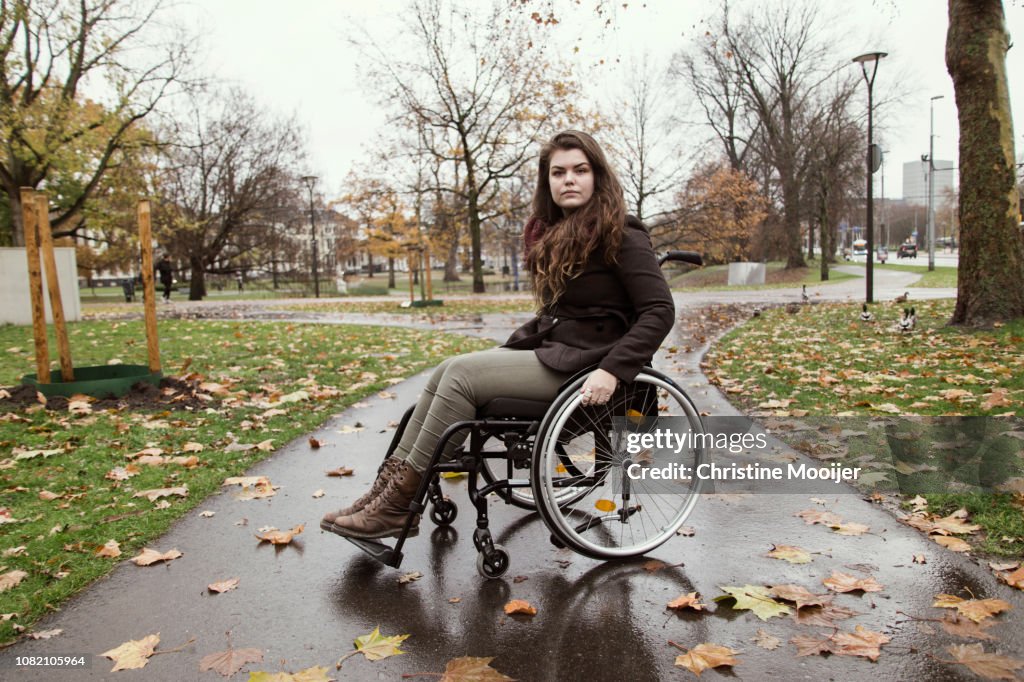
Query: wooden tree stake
[
  {"x": 430, "y": 286},
  {"x": 60, "y": 329},
  {"x": 148, "y": 286},
  {"x": 412, "y": 286},
  {"x": 35, "y": 284}
]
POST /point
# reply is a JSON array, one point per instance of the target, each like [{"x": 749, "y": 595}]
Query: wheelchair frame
[{"x": 524, "y": 421}]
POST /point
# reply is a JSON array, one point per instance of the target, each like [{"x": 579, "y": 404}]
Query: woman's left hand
[{"x": 598, "y": 387}]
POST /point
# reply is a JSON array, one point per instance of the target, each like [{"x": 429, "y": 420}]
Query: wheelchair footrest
[{"x": 379, "y": 551}]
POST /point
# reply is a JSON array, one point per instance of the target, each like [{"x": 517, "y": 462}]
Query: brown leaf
[
  {"x": 314, "y": 443},
  {"x": 261, "y": 490},
  {"x": 1015, "y": 579},
  {"x": 793, "y": 555},
  {"x": 340, "y": 471},
  {"x": 687, "y": 601},
  {"x": 281, "y": 537},
  {"x": 975, "y": 609},
  {"x": 813, "y": 516},
  {"x": 150, "y": 556},
  {"x": 989, "y": 666},
  {"x": 520, "y": 606},
  {"x": 920, "y": 559},
  {"x": 955, "y": 524},
  {"x": 652, "y": 565},
  {"x": 963, "y": 627},
  {"x": 472, "y": 669},
  {"x": 112, "y": 550},
  {"x": 800, "y": 595},
  {"x": 157, "y": 493},
  {"x": 844, "y": 582},
  {"x": 223, "y": 585},
  {"x": 409, "y": 577},
  {"x": 133, "y": 654},
  {"x": 766, "y": 641},
  {"x": 46, "y": 634},
  {"x": 860, "y": 642},
  {"x": 811, "y": 645},
  {"x": 850, "y": 528},
  {"x": 952, "y": 544},
  {"x": 705, "y": 656},
  {"x": 229, "y": 662},
  {"x": 192, "y": 447},
  {"x": 11, "y": 579},
  {"x": 122, "y": 473}
]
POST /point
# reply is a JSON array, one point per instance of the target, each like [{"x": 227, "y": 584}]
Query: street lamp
[
  {"x": 874, "y": 160},
  {"x": 931, "y": 183},
  {"x": 310, "y": 181}
]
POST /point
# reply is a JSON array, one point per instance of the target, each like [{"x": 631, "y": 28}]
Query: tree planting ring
[{"x": 101, "y": 381}]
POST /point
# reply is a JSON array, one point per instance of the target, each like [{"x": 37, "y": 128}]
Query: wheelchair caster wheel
[
  {"x": 495, "y": 566},
  {"x": 444, "y": 512},
  {"x": 556, "y": 542}
]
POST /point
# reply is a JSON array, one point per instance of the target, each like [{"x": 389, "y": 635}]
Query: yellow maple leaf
[
  {"x": 705, "y": 656},
  {"x": 375, "y": 646}
]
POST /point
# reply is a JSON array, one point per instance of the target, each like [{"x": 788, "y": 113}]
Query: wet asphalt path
[{"x": 304, "y": 604}]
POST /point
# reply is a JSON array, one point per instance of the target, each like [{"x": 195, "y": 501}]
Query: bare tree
[
  {"x": 227, "y": 177},
  {"x": 467, "y": 82},
  {"x": 50, "y": 51},
  {"x": 991, "y": 244}
]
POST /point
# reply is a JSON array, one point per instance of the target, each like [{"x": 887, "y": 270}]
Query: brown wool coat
[{"x": 614, "y": 316}]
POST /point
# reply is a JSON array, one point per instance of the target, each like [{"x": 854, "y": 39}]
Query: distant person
[
  {"x": 166, "y": 272},
  {"x": 238, "y": 279}
]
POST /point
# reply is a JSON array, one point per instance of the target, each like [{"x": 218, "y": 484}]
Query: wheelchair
[{"x": 575, "y": 465}]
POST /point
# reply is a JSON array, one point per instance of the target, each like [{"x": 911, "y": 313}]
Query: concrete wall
[
  {"x": 746, "y": 273},
  {"x": 15, "y": 304}
]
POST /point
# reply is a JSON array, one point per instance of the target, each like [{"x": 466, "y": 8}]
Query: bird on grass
[
  {"x": 865, "y": 315},
  {"x": 804, "y": 297},
  {"x": 902, "y": 299},
  {"x": 908, "y": 321}
]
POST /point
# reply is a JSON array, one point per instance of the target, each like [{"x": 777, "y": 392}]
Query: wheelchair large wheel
[{"x": 618, "y": 508}]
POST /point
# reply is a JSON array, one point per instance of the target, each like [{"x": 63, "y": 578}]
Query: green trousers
[{"x": 462, "y": 383}]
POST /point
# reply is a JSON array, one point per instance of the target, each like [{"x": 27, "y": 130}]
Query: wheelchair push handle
[{"x": 691, "y": 257}]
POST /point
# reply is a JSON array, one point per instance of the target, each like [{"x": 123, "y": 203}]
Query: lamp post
[
  {"x": 931, "y": 183},
  {"x": 310, "y": 181},
  {"x": 885, "y": 213},
  {"x": 873, "y": 162}
]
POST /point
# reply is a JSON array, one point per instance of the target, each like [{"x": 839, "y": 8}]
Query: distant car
[{"x": 907, "y": 251}]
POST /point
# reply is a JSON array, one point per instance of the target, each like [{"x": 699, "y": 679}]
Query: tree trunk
[
  {"x": 391, "y": 272},
  {"x": 197, "y": 281},
  {"x": 451, "y": 264},
  {"x": 991, "y": 245},
  {"x": 791, "y": 224}
]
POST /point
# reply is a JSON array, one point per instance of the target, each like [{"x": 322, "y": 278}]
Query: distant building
[{"x": 915, "y": 180}]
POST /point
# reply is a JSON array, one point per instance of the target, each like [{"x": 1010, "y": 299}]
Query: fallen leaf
[
  {"x": 409, "y": 577},
  {"x": 11, "y": 579},
  {"x": 46, "y": 634},
  {"x": 259, "y": 491},
  {"x": 860, "y": 642},
  {"x": 315, "y": 674},
  {"x": 705, "y": 656},
  {"x": 964, "y": 627},
  {"x": 850, "y": 528},
  {"x": 111, "y": 550},
  {"x": 281, "y": 537},
  {"x": 318, "y": 493},
  {"x": 1015, "y": 579},
  {"x": 989, "y": 666},
  {"x": 246, "y": 481},
  {"x": 686, "y": 531},
  {"x": 376, "y": 646},
  {"x": 652, "y": 565},
  {"x": 266, "y": 446},
  {"x": 766, "y": 641},
  {"x": 952, "y": 544},
  {"x": 793, "y": 555},
  {"x": 920, "y": 559},
  {"x": 314, "y": 443},
  {"x": 157, "y": 493},
  {"x": 229, "y": 662},
  {"x": 340, "y": 471},
  {"x": 844, "y": 582},
  {"x": 223, "y": 585},
  {"x": 813, "y": 516},
  {"x": 800, "y": 595},
  {"x": 133, "y": 654},
  {"x": 472, "y": 669},
  {"x": 975, "y": 609},
  {"x": 520, "y": 606},
  {"x": 755, "y": 598},
  {"x": 955, "y": 524},
  {"x": 207, "y": 514},
  {"x": 192, "y": 447},
  {"x": 150, "y": 556},
  {"x": 687, "y": 601},
  {"x": 811, "y": 645}
]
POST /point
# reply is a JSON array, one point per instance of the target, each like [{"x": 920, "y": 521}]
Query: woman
[{"x": 603, "y": 301}]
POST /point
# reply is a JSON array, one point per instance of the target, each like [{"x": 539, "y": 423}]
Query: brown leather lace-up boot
[
  {"x": 386, "y": 514},
  {"x": 383, "y": 478}
]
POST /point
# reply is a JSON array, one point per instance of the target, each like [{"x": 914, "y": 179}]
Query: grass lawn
[
  {"x": 825, "y": 361},
  {"x": 716, "y": 277},
  {"x": 69, "y": 477}
]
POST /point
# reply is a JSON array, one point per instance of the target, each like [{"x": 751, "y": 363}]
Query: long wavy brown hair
[{"x": 568, "y": 242}]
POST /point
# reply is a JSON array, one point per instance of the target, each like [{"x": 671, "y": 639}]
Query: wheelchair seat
[{"x": 513, "y": 408}]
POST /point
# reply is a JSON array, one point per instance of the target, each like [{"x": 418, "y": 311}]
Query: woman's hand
[{"x": 598, "y": 387}]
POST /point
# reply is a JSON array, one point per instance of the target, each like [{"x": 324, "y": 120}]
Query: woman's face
[{"x": 571, "y": 179}]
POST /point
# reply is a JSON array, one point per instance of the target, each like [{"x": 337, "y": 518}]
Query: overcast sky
[{"x": 296, "y": 58}]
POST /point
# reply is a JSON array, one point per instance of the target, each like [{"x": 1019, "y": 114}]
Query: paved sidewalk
[{"x": 304, "y": 604}]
